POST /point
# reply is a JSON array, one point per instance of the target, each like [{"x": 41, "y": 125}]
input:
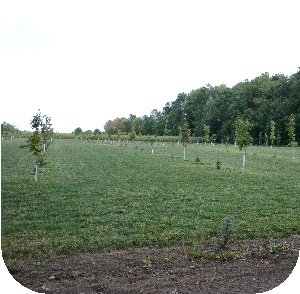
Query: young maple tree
[
  {"x": 291, "y": 132},
  {"x": 185, "y": 137},
  {"x": 206, "y": 133},
  {"x": 272, "y": 132},
  {"x": 37, "y": 142},
  {"x": 243, "y": 136}
]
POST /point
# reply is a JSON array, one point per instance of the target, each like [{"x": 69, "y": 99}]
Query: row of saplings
[
  {"x": 243, "y": 137},
  {"x": 42, "y": 135}
]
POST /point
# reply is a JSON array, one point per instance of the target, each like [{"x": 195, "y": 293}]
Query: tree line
[
  {"x": 9, "y": 130},
  {"x": 266, "y": 101}
]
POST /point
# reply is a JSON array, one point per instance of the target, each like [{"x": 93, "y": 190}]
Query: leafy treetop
[{"x": 243, "y": 136}]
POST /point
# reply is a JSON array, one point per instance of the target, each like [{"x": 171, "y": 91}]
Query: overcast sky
[{"x": 85, "y": 62}]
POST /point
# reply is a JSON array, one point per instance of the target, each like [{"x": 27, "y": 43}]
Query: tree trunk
[
  {"x": 244, "y": 160},
  {"x": 184, "y": 151},
  {"x": 36, "y": 173},
  {"x": 293, "y": 152}
]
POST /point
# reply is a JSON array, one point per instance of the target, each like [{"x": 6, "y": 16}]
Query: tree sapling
[
  {"x": 291, "y": 132},
  {"x": 185, "y": 137},
  {"x": 243, "y": 136}
]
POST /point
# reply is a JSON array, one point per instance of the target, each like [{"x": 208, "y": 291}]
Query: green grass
[{"x": 95, "y": 196}]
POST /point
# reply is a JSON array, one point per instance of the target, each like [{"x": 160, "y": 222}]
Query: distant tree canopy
[
  {"x": 78, "y": 131},
  {"x": 88, "y": 132},
  {"x": 260, "y": 101},
  {"x": 97, "y": 132},
  {"x": 7, "y": 128}
]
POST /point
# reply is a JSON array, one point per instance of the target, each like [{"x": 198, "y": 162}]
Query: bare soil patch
[{"x": 258, "y": 267}]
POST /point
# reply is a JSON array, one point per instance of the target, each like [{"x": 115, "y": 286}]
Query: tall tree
[
  {"x": 175, "y": 116},
  {"x": 159, "y": 122},
  {"x": 217, "y": 111},
  {"x": 147, "y": 127},
  {"x": 78, "y": 131},
  {"x": 130, "y": 124},
  {"x": 194, "y": 109},
  {"x": 259, "y": 100},
  {"x": 97, "y": 132}
]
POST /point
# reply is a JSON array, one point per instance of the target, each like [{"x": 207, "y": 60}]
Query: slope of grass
[{"x": 92, "y": 195}]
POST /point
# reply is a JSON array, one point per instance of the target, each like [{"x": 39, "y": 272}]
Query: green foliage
[
  {"x": 274, "y": 247},
  {"x": 291, "y": 130},
  {"x": 132, "y": 136},
  {"x": 112, "y": 127},
  {"x": 185, "y": 133},
  {"x": 97, "y": 132},
  {"x": 226, "y": 232},
  {"x": 266, "y": 139},
  {"x": 40, "y": 160},
  {"x": 196, "y": 255},
  {"x": 272, "y": 132},
  {"x": 42, "y": 132},
  {"x": 206, "y": 133},
  {"x": 119, "y": 134},
  {"x": 8, "y": 129},
  {"x": 78, "y": 131},
  {"x": 35, "y": 143},
  {"x": 46, "y": 129},
  {"x": 278, "y": 139},
  {"x": 197, "y": 159},
  {"x": 148, "y": 263},
  {"x": 260, "y": 100},
  {"x": 37, "y": 122},
  {"x": 39, "y": 139},
  {"x": 24, "y": 146},
  {"x": 243, "y": 136}
]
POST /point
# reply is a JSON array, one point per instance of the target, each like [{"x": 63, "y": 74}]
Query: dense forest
[{"x": 262, "y": 100}]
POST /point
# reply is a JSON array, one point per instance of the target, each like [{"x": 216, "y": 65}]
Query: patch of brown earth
[{"x": 251, "y": 267}]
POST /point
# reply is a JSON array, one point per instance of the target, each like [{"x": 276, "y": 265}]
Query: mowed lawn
[{"x": 96, "y": 196}]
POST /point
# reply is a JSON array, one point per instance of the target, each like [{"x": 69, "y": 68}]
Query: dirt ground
[{"x": 257, "y": 267}]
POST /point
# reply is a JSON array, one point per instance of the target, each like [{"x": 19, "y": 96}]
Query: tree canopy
[
  {"x": 7, "y": 128},
  {"x": 262, "y": 100}
]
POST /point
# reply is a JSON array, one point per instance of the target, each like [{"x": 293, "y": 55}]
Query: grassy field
[{"x": 92, "y": 196}]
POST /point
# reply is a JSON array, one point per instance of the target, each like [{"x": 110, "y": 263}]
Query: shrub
[{"x": 226, "y": 232}]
